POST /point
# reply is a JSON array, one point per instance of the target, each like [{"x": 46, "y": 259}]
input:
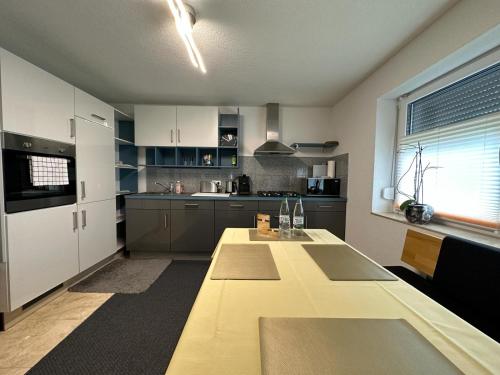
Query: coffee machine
[{"x": 244, "y": 187}]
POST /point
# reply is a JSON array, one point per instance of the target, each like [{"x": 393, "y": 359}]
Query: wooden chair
[{"x": 421, "y": 251}]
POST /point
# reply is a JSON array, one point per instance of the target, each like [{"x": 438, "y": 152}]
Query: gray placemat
[
  {"x": 245, "y": 262},
  {"x": 342, "y": 263},
  {"x": 315, "y": 346},
  {"x": 296, "y": 236}
]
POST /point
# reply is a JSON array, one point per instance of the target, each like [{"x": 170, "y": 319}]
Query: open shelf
[{"x": 326, "y": 145}]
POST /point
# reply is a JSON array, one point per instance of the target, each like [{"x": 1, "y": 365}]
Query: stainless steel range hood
[{"x": 273, "y": 145}]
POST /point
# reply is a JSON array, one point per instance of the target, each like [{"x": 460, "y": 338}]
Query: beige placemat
[
  {"x": 341, "y": 263},
  {"x": 316, "y": 346},
  {"x": 245, "y": 262},
  {"x": 301, "y": 236}
]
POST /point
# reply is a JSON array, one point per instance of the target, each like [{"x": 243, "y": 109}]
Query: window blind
[
  {"x": 471, "y": 97},
  {"x": 459, "y": 128}
]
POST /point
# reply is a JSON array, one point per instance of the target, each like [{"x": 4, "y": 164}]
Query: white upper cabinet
[
  {"x": 95, "y": 161},
  {"x": 155, "y": 125},
  {"x": 97, "y": 234},
  {"x": 197, "y": 126},
  {"x": 93, "y": 109},
  {"x": 42, "y": 247},
  {"x": 35, "y": 102}
]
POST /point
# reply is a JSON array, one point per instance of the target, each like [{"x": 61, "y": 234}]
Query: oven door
[{"x": 37, "y": 173}]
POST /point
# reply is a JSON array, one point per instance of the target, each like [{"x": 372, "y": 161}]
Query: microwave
[{"x": 323, "y": 186}]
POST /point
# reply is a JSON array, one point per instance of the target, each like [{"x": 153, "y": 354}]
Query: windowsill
[{"x": 477, "y": 235}]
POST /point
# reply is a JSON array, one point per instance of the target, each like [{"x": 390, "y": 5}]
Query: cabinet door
[
  {"x": 331, "y": 221},
  {"x": 233, "y": 219},
  {"x": 97, "y": 236},
  {"x": 42, "y": 248},
  {"x": 155, "y": 125},
  {"x": 192, "y": 230},
  {"x": 197, "y": 126},
  {"x": 93, "y": 109},
  {"x": 148, "y": 230},
  {"x": 95, "y": 161},
  {"x": 35, "y": 102}
]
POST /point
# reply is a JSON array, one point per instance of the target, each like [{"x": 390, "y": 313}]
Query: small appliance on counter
[
  {"x": 244, "y": 185},
  {"x": 323, "y": 186},
  {"x": 210, "y": 186},
  {"x": 231, "y": 187}
]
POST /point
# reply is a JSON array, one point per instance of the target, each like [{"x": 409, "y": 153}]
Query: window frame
[{"x": 483, "y": 62}]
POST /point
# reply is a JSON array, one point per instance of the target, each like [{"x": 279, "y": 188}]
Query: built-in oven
[{"x": 37, "y": 173}]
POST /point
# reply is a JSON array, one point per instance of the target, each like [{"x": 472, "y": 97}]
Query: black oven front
[{"x": 37, "y": 173}]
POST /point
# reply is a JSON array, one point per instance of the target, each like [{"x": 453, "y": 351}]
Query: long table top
[{"x": 221, "y": 335}]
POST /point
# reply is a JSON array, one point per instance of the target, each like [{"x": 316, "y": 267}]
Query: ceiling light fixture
[{"x": 185, "y": 18}]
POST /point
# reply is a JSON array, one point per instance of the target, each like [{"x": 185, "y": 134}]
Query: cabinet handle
[
  {"x": 98, "y": 117},
  {"x": 84, "y": 219},
  {"x": 254, "y": 221},
  {"x": 171, "y": 135},
  {"x": 191, "y": 204},
  {"x": 306, "y": 222},
  {"x": 178, "y": 135},
  {"x": 75, "y": 221},
  {"x": 72, "y": 128},
  {"x": 165, "y": 221},
  {"x": 82, "y": 184},
  {"x": 325, "y": 206},
  {"x": 236, "y": 205}
]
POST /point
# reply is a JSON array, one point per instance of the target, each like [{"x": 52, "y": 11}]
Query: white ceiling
[{"x": 295, "y": 52}]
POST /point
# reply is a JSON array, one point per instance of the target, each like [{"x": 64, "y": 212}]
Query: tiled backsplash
[{"x": 266, "y": 173}]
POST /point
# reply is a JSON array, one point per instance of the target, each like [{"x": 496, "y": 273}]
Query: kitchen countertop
[{"x": 250, "y": 197}]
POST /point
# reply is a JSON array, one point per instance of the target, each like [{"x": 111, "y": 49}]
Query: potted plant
[{"x": 414, "y": 208}]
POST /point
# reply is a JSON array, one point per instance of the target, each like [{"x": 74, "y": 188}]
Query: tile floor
[{"x": 24, "y": 344}]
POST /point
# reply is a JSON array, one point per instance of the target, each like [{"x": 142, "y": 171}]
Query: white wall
[
  {"x": 297, "y": 124},
  {"x": 359, "y": 126}
]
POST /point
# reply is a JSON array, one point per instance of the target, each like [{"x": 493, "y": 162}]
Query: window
[{"x": 457, "y": 121}]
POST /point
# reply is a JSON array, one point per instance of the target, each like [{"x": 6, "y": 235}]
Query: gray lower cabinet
[
  {"x": 196, "y": 226},
  {"x": 236, "y": 214},
  {"x": 192, "y": 226},
  {"x": 331, "y": 221},
  {"x": 148, "y": 230}
]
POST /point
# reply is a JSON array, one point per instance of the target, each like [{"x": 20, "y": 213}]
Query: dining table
[{"x": 221, "y": 334}]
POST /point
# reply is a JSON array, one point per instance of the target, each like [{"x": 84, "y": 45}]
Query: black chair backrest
[{"x": 468, "y": 272}]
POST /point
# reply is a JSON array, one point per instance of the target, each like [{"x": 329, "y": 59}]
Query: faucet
[{"x": 167, "y": 189}]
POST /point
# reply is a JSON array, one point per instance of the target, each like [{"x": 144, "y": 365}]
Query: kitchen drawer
[
  {"x": 148, "y": 204},
  {"x": 191, "y": 204},
  {"x": 236, "y": 205},
  {"x": 323, "y": 206},
  {"x": 93, "y": 109}
]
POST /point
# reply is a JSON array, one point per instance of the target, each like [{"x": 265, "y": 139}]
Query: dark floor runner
[{"x": 131, "y": 333}]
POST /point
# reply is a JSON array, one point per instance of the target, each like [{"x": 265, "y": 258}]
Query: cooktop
[{"x": 278, "y": 193}]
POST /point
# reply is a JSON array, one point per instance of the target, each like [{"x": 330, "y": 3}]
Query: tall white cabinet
[
  {"x": 95, "y": 165},
  {"x": 35, "y": 102},
  {"x": 46, "y": 247},
  {"x": 43, "y": 251}
]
